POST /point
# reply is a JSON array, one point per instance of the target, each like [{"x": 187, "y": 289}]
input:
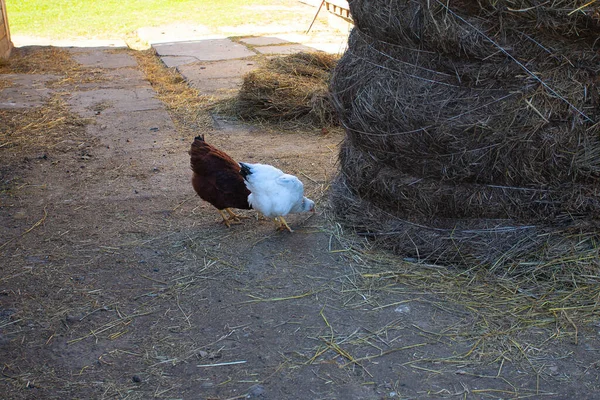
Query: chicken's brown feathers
[
  {"x": 217, "y": 177},
  {"x": 202, "y": 152}
]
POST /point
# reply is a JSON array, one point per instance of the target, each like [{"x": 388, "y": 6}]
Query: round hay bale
[
  {"x": 472, "y": 129},
  {"x": 460, "y": 27},
  {"x": 497, "y": 244},
  {"x": 428, "y": 115},
  {"x": 428, "y": 200}
]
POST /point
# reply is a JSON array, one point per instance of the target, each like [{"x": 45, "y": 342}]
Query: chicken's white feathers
[{"x": 273, "y": 192}]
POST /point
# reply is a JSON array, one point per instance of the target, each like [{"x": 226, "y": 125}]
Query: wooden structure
[
  {"x": 339, "y": 8},
  {"x": 5, "y": 43},
  {"x": 338, "y": 15}
]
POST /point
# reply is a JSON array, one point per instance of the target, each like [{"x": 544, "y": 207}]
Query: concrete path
[
  {"x": 216, "y": 66},
  {"x": 212, "y": 60}
]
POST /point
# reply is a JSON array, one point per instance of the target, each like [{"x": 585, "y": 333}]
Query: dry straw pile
[
  {"x": 289, "y": 90},
  {"x": 473, "y": 130}
]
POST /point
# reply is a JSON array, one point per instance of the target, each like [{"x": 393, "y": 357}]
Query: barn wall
[{"x": 5, "y": 43}]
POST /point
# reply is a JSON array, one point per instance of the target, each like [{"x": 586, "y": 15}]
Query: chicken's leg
[
  {"x": 225, "y": 219},
  {"x": 282, "y": 224},
  {"x": 234, "y": 216}
]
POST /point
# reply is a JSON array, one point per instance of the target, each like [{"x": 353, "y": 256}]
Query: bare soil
[{"x": 117, "y": 281}]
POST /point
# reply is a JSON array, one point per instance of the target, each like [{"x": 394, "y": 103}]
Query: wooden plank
[
  {"x": 339, "y": 8},
  {"x": 4, "y": 48},
  {"x": 339, "y": 3},
  {"x": 4, "y": 22},
  {"x": 5, "y": 43}
]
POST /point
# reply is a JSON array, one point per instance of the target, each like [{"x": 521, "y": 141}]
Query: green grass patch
[{"x": 112, "y": 19}]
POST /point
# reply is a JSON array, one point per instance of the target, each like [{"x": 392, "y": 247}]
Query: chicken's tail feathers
[
  {"x": 197, "y": 149},
  {"x": 197, "y": 143},
  {"x": 245, "y": 170}
]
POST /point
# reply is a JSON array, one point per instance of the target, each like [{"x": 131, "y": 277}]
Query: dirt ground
[{"x": 117, "y": 281}]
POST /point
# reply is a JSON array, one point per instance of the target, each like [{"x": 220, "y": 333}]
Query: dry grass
[
  {"x": 32, "y": 130},
  {"x": 49, "y": 60},
  {"x": 40, "y": 128},
  {"x": 497, "y": 319},
  {"x": 472, "y": 152},
  {"x": 5, "y": 83},
  {"x": 291, "y": 91},
  {"x": 33, "y": 60},
  {"x": 187, "y": 107}
]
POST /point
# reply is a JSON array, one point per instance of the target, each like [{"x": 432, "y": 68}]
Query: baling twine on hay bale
[{"x": 473, "y": 130}]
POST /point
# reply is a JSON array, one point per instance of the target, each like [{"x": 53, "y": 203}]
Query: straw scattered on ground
[
  {"x": 187, "y": 106},
  {"x": 498, "y": 318},
  {"x": 504, "y": 322},
  {"x": 51, "y": 126}
]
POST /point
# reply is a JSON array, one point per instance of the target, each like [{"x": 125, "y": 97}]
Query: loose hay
[
  {"x": 289, "y": 90},
  {"x": 38, "y": 60},
  {"x": 472, "y": 131},
  {"x": 187, "y": 106},
  {"x": 31, "y": 130},
  {"x": 52, "y": 125},
  {"x": 49, "y": 60}
]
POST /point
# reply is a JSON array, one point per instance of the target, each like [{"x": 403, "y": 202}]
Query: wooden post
[{"x": 5, "y": 42}]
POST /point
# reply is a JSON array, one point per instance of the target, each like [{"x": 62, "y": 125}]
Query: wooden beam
[{"x": 5, "y": 42}]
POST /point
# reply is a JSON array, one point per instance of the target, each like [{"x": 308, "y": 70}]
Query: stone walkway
[
  {"x": 215, "y": 66},
  {"x": 211, "y": 62}
]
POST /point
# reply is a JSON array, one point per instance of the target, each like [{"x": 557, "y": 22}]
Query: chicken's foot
[
  {"x": 225, "y": 218},
  {"x": 234, "y": 216},
  {"x": 282, "y": 224}
]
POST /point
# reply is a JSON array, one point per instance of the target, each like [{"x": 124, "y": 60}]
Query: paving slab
[
  {"x": 124, "y": 133},
  {"x": 27, "y": 91},
  {"x": 217, "y": 69},
  {"x": 30, "y": 80},
  {"x": 204, "y": 50},
  {"x": 284, "y": 49},
  {"x": 23, "y": 97},
  {"x": 104, "y": 59},
  {"x": 218, "y": 88},
  {"x": 128, "y": 116},
  {"x": 231, "y": 125},
  {"x": 217, "y": 78},
  {"x": 115, "y": 78},
  {"x": 175, "y": 61},
  {"x": 331, "y": 43},
  {"x": 263, "y": 40},
  {"x": 94, "y": 102}
]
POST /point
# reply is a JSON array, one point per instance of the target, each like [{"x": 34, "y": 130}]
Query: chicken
[
  {"x": 217, "y": 179},
  {"x": 274, "y": 193}
]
